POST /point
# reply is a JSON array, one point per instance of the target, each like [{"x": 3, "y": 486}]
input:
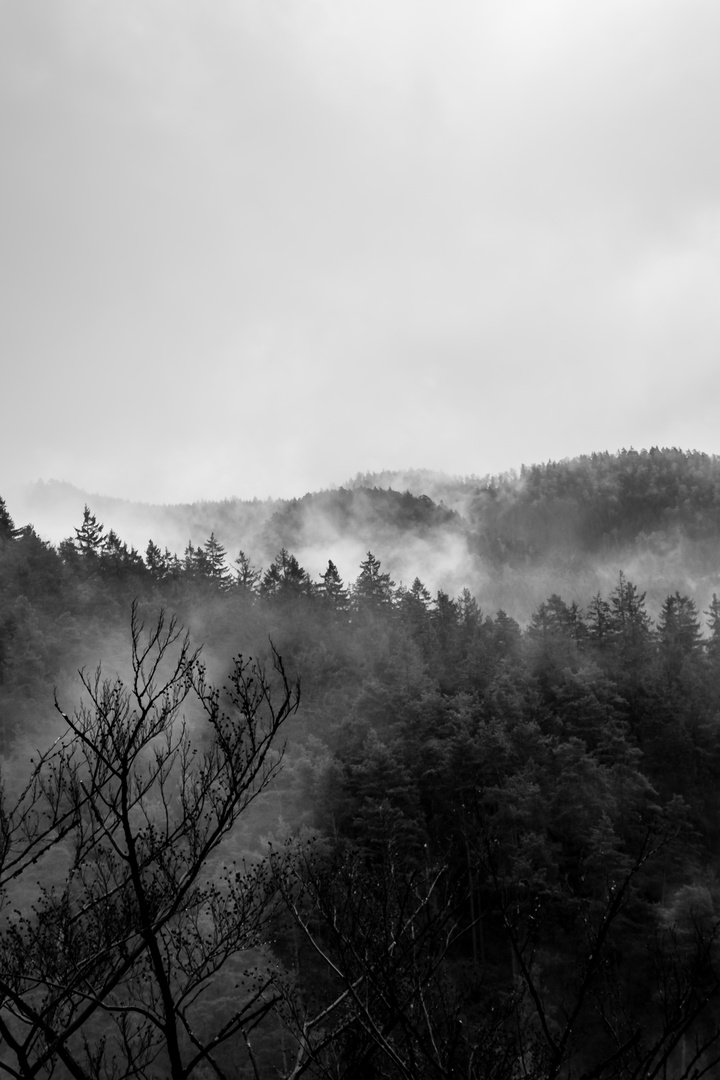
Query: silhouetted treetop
[{"x": 7, "y": 526}]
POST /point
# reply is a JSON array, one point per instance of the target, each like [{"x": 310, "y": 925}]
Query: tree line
[{"x": 466, "y": 849}]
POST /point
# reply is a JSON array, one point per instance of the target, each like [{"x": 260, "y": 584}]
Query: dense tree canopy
[{"x": 478, "y": 849}]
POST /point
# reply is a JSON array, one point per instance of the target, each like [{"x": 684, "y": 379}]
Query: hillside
[
  {"x": 583, "y": 505},
  {"x": 574, "y": 523},
  {"x": 511, "y": 819}
]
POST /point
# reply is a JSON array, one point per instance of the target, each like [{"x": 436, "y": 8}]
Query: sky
[{"x": 254, "y": 247}]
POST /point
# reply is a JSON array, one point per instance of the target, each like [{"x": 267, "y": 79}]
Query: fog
[
  {"x": 420, "y": 524},
  {"x": 250, "y": 248}
]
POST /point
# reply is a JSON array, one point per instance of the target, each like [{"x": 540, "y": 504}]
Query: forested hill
[
  {"x": 483, "y": 846},
  {"x": 587, "y": 504},
  {"x": 600, "y": 502},
  {"x": 510, "y": 539},
  {"x": 375, "y": 515}
]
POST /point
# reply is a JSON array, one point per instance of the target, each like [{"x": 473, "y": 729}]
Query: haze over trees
[
  {"x": 509, "y": 539},
  {"x": 471, "y": 846}
]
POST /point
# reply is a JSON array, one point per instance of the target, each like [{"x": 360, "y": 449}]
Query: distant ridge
[
  {"x": 582, "y": 506},
  {"x": 653, "y": 513}
]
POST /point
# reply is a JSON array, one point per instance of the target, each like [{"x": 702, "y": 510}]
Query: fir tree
[
  {"x": 678, "y": 632},
  {"x": 373, "y": 589},
  {"x": 285, "y": 578},
  {"x": 630, "y": 620},
  {"x": 332, "y": 589},
  {"x": 599, "y": 622},
  {"x": 216, "y": 568},
  {"x": 7, "y": 526},
  {"x": 90, "y": 536},
  {"x": 712, "y": 644},
  {"x": 248, "y": 576}
]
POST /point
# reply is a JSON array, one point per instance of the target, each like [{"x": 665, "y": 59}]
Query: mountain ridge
[{"x": 655, "y": 513}]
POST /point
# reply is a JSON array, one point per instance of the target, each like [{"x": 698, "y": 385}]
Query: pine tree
[
  {"x": 285, "y": 578},
  {"x": 630, "y": 620},
  {"x": 419, "y": 594},
  {"x": 414, "y": 609},
  {"x": 555, "y": 633},
  {"x": 196, "y": 566},
  {"x": 216, "y": 568},
  {"x": 373, "y": 589},
  {"x": 89, "y": 537},
  {"x": 113, "y": 553},
  {"x": 506, "y": 635},
  {"x": 333, "y": 591},
  {"x": 154, "y": 561},
  {"x": 248, "y": 576},
  {"x": 599, "y": 622},
  {"x": 469, "y": 613},
  {"x": 7, "y": 526},
  {"x": 678, "y": 632},
  {"x": 712, "y": 644},
  {"x": 162, "y": 564},
  {"x": 444, "y": 619}
]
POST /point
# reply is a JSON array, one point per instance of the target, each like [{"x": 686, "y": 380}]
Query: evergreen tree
[
  {"x": 196, "y": 564},
  {"x": 599, "y": 622},
  {"x": 69, "y": 553},
  {"x": 162, "y": 565},
  {"x": 7, "y": 527},
  {"x": 445, "y": 615},
  {"x": 469, "y": 613},
  {"x": 89, "y": 537},
  {"x": 190, "y": 560},
  {"x": 678, "y": 625},
  {"x": 413, "y": 605},
  {"x": 506, "y": 636},
  {"x": 117, "y": 558},
  {"x": 373, "y": 589},
  {"x": 712, "y": 644},
  {"x": 154, "y": 561},
  {"x": 555, "y": 634},
  {"x": 248, "y": 576},
  {"x": 332, "y": 590},
  {"x": 473, "y": 667},
  {"x": 216, "y": 568},
  {"x": 419, "y": 596},
  {"x": 631, "y": 628},
  {"x": 444, "y": 618},
  {"x": 678, "y": 632},
  {"x": 285, "y": 579}
]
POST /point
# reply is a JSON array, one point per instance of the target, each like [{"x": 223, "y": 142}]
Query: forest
[{"x": 257, "y": 822}]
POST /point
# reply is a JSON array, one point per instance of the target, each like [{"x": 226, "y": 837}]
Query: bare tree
[
  {"x": 144, "y": 955},
  {"x": 107, "y": 973}
]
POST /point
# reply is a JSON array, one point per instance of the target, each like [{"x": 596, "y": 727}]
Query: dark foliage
[{"x": 492, "y": 849}]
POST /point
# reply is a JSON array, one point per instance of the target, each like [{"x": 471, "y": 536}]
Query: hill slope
[{"x": 567, "y": 526}]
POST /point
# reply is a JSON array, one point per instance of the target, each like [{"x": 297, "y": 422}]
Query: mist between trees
[
  {"x": 513, "y": 540},
  {"x": 457, "y": 847}
]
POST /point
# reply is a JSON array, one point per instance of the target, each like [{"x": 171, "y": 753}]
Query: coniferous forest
[{"x": 262, "y": 823}]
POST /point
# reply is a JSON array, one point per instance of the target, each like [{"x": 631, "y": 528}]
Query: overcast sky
[{"x": 252, "y": 247}]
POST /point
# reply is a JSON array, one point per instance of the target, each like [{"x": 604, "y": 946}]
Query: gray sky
[{"x": 253, "y": 247}]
